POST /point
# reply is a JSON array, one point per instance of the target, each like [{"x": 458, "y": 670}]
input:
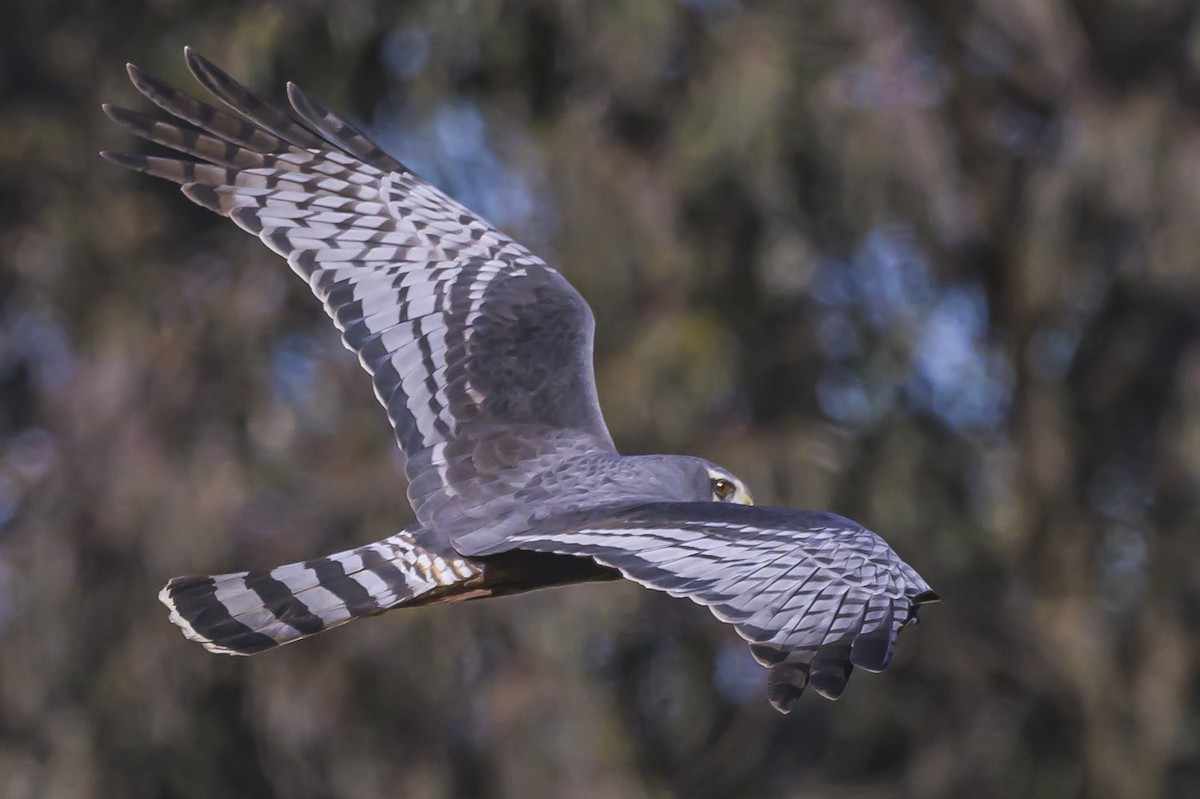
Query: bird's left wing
[
  {"x": 480, "y": 352},
  {"x": 815, "y": 594}
]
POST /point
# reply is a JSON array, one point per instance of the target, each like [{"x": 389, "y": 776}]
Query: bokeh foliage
[{"x": 934, "y": 266}]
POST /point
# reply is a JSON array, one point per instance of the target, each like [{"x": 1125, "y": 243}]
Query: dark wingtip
[
  {"x": 146, "y": 84},
  {"x": 783, "y": 696},
  {"x": 137, "y": 76},
  {"x": 122, "y": 116},
  {"x": 830, "y": 669},
  {"x": 873, "y": 652},
  {"x": 830, "y": 684},
  {"x": 201, "y": 68},
  {"x": 785, "y": 685},
  {"x": 128, "y": 160},
  {"x": 926, "y": 598},
  {"x": 299, "y": 100},
  {"x": 309, "y": 109},
  {"x": 203, "y": 195}
]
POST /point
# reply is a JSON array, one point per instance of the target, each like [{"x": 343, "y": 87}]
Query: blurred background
[{"x": 932, "y": 266}]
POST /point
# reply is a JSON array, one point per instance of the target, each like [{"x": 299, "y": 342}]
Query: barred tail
[{"x": 248, "y": 612}]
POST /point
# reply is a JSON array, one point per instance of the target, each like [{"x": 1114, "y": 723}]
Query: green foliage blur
[{"x": 932, "y": 266}]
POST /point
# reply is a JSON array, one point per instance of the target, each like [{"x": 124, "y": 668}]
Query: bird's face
[{"x": 728, "y": 488}]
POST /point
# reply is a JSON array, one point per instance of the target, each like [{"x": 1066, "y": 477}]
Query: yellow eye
[{"x": 723, "y": 489}]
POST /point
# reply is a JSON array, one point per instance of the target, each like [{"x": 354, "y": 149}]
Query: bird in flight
[{"x": 482, "y": 356}]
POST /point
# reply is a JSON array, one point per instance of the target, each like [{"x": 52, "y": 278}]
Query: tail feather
[{"x": 248, "y": 612}]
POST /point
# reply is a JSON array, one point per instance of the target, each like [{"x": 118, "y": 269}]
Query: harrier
[{"x": 482, "y": 356}]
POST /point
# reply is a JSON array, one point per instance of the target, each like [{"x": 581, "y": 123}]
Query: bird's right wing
[
  {"x": 813, "y": 593},
  {"x": 481, "y": 354}
]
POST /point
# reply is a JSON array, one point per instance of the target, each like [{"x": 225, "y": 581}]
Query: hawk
[{"x": 482, "y": 356}]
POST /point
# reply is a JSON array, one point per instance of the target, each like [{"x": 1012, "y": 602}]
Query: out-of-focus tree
[{"x": 933, "y": 266}]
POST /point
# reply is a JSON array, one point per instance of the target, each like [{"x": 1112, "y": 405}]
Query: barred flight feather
[
  {"x": 405, "y": 272},
  {"x": 248, "y": 612},
  {"x": 813, "y": 593}
]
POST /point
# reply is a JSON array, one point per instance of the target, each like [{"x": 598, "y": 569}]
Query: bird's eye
[{"x": 722, "y": 488}]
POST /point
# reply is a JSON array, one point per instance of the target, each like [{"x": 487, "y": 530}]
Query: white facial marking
[{"x": 741, "y": 494}]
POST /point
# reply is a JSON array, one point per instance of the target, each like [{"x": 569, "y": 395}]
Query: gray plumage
[{"x": 481, "y": 355}]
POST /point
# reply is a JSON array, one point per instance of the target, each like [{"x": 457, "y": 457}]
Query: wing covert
[
  {"x": 813, "y": 593},
  {"x": 474, "y": 345}
]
